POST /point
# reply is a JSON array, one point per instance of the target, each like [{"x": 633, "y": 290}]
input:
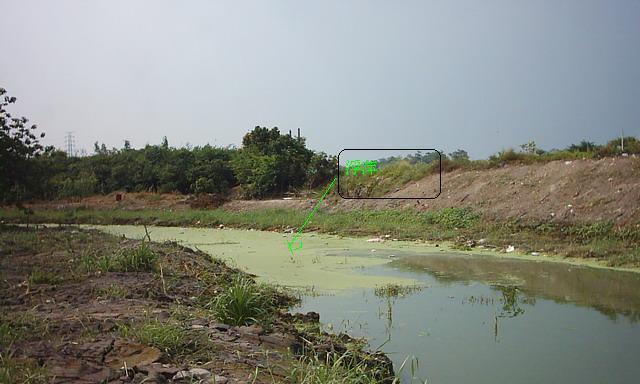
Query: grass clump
[
  {"x": 20, "y": 326},
  {"x": 244, "y": 302},
  {"x": 44, "y": 277},
  {"x": 113, "y": 291},
  {"x": 20, "y": 371},
  {"x": 335, "y": 368},
  {"x": 138, "y": 259},
  {"x": 167, "y": 337}
]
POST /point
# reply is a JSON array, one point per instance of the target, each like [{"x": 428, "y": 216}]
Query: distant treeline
[{"x": 268, "y": 163}]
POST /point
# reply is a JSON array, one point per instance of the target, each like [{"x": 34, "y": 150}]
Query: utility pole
[
  {"x": 622, "y": 139},
  {"x": 69, "y": 143}
]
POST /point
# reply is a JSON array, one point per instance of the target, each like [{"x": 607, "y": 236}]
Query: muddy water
[{"x": 477, "y": 319}]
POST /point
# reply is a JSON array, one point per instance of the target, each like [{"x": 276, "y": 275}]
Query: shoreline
[
  {"x": 597, "y": 245},
  {"x": 435, "y": 247}
]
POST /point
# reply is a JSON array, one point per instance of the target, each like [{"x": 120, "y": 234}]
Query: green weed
[{"x": 44, "y": 277}]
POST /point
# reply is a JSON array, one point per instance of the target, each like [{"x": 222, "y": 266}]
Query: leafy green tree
[
  {"x": 288, "y": 155},
  {"x": 257, "y": 173},
  {"x": 18, "y": 145},
  {"x": 321, "y": 169}
]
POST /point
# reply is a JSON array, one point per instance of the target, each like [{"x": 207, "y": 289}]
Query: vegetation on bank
[{"x": 617, "y": 246}]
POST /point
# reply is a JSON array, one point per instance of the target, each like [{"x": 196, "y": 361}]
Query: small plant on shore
[
  {"x": 44, "y": 277},
  {"x": 243, "y": 302}
]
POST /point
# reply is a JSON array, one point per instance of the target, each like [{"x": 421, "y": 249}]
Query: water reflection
[{"x": 612, "y": 293}]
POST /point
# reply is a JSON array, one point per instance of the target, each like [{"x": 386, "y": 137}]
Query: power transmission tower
[{"x": 69, "y": 143}]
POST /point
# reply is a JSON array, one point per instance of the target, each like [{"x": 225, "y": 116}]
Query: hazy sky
[{"x": 477, "y": 75}]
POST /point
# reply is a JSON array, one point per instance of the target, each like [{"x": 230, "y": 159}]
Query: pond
[{"x": 470, "y": 318}]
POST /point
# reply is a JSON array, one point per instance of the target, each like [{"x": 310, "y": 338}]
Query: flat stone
[
  {"x": 132, "y": 354},
  {"x": 217, "y": 379}
]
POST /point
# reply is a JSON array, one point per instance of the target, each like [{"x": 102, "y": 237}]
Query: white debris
[
  {"x": 510, "y": 249},
  {"x": 375, "y": 240},
  {"x": 193, "y": 373},
  {"x": 535, "y": 253}
]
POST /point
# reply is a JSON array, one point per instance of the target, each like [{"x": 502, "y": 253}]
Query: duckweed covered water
[{"x": 477, "y": 319}]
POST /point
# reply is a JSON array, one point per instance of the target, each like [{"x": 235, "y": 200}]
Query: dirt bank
[
  {"x": 580, "y": 191},
  {"x": 70, "y": 313}
]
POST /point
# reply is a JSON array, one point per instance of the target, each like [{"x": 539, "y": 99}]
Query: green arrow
[{"x": 313, "y": 210}]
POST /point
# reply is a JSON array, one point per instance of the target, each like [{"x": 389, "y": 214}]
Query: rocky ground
[{"x": 84, "y": 307}]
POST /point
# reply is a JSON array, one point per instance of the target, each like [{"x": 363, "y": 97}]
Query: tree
[
  {"x": 18, "y": 145},
  {"x": 288, "y": 155},
  {"x": 584, "y": 146},
  {"x": 459, "y": 155},
  {"x": 529, "y": 147}
]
